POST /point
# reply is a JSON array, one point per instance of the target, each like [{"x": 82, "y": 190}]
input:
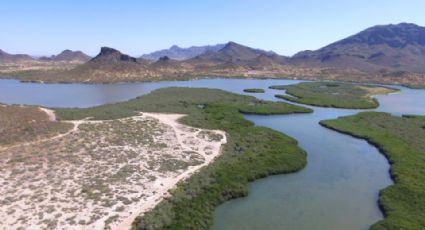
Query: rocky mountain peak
[{"x": 112, "y": 54}]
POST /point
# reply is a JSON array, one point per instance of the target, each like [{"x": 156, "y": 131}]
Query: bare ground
[{"x": 100, "y": 174}]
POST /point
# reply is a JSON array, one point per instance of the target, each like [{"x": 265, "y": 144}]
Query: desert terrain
[{"x": 99, "y": 174}]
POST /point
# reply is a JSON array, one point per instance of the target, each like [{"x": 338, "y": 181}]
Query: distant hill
[
  {"x": 386, "y": 47},
  {"x": 178, "y": 53},
  {"x": 390, "y": 54},
  {"x": 6, "y": 57},
  {"x": 111, "y": 55},
  {"x": 108, "y": 61},
  {"x": 110, "y": 65},
  {"x": 233, "y": 51},
  {"x": 68, "y": 55}
]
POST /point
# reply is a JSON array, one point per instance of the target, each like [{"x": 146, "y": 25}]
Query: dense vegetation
[
  {"x": 254, "y": 90},
  {"x": 401, "y": 139},
  {"x": 19, "y": 124},
  {"x": 277, "y": 87},
  {"x": 251, "y": 152},
  {"x": 329, "y": 94}
]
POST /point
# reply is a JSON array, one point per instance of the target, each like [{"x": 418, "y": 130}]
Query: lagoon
[{"x": 338, "y": 189}]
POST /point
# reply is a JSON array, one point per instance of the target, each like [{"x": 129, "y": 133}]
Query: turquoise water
[{"x": 338, "y": 189}]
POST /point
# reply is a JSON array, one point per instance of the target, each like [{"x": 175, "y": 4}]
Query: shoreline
[{"x": 385, "y": 208}]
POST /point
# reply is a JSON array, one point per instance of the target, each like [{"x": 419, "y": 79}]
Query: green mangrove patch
[
  {"x": 401, "y": 140},
  {"x": 251, "y": 152},
  {"x": 180, "y": 100},
  {"x": 332, "y": 94},
  {"x": 254, "y": 90}
]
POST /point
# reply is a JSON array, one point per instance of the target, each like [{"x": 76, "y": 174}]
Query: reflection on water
[{"x": 338, "y": 189}]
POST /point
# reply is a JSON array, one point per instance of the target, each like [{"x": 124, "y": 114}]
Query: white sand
[{"x": 50, "y": 113}]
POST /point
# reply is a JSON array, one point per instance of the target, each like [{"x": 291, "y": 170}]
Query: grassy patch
[
  {"x": 250, "y": 153},
  {"x": 330, "y": 94},
  {"x": 401, "y": 139},
  {"x": 254, "y": 90}
]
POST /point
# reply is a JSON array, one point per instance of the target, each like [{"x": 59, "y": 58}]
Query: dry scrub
[{"x": 101, "y": 174}]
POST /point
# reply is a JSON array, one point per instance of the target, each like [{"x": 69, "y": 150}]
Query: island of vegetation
[
  {"x": 254, "y": 90},
  {"x": 333, "y": 94},
  {"x": 401, "y": 140},
  {"x": 169, "y": 157}
]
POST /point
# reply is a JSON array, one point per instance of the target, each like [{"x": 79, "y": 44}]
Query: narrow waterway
[{"x": 338, "y": 189}]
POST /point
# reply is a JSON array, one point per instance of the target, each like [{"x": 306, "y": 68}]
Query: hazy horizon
[{"x": 140, "y": 27}]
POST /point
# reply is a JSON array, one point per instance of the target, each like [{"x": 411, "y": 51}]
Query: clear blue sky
[{"x": 45, "y": 27}]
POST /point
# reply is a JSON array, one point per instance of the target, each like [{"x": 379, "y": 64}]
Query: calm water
[
  {"x": 338, "y": 189},
  {"x": 86, "y": 95}
]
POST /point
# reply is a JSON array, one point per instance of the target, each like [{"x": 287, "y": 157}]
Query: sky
[{"x": 46, "y": 27}]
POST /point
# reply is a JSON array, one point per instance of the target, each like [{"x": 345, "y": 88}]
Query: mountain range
[
  {"x": 385, "y": 53},
  {"x": 64, "y": 56},
  {"x": 178, "y": 53},
  {"x": 6, "y": 57}
]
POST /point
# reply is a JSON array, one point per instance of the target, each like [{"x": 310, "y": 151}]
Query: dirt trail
[{"x": 165, "y": 184}]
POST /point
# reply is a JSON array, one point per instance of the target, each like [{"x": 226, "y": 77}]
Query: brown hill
[
  {"x": 13, "y": 58},
  {"x": 399, "y": 47},
  {"x": 237, "y": 58},
  {"x": 108, "y": 63},
  {"x": 232, "y": 52},
  {"x": 68, "y": 55},
  {"x": 111, "y": 55}
]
